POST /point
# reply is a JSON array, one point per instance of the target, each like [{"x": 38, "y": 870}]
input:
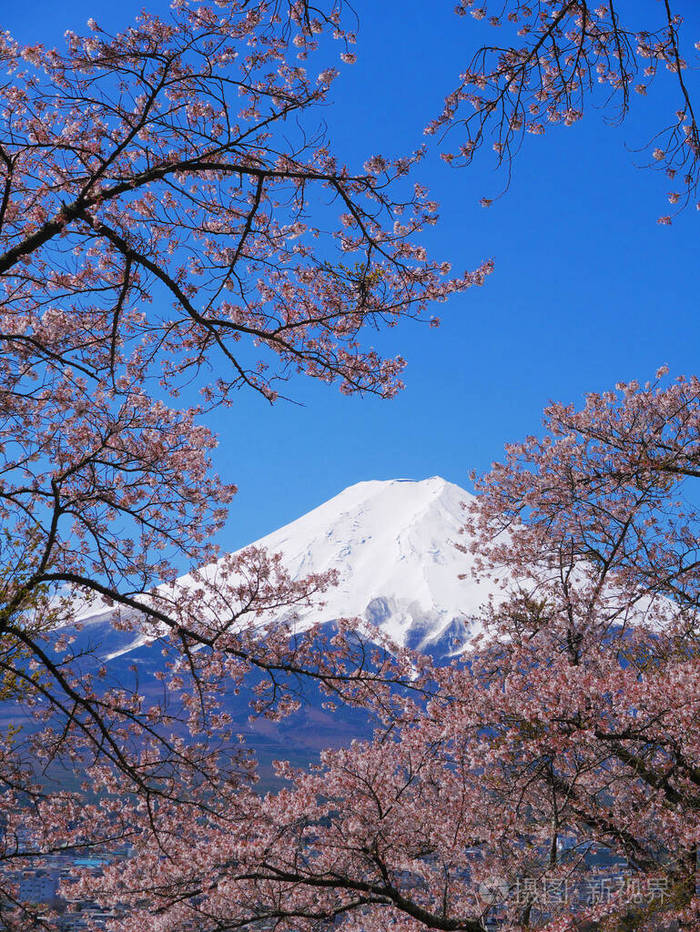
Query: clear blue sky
[{"x": 588, "y": 289}]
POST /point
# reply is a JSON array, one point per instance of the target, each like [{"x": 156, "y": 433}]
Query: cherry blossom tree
[
  {"x": 165, "y": 230},
  {"x": 173, "y": 225},
  {"x": 550, "y": 781}
]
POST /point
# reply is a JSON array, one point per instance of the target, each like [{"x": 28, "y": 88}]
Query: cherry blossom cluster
[
  {"x": 565, "y": 54},
  {"x": 565, "y": 747}
]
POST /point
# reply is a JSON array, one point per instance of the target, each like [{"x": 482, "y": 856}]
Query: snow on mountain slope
[{"x": 393, "y": 545}]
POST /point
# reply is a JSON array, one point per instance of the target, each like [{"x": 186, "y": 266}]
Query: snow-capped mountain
[{"x": 393, "y": 546}]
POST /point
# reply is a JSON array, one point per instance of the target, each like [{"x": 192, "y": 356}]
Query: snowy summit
[{"x": 393, "y": 545}]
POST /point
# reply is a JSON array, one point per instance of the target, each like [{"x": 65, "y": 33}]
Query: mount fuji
[{"x": 392, "y": 544}]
